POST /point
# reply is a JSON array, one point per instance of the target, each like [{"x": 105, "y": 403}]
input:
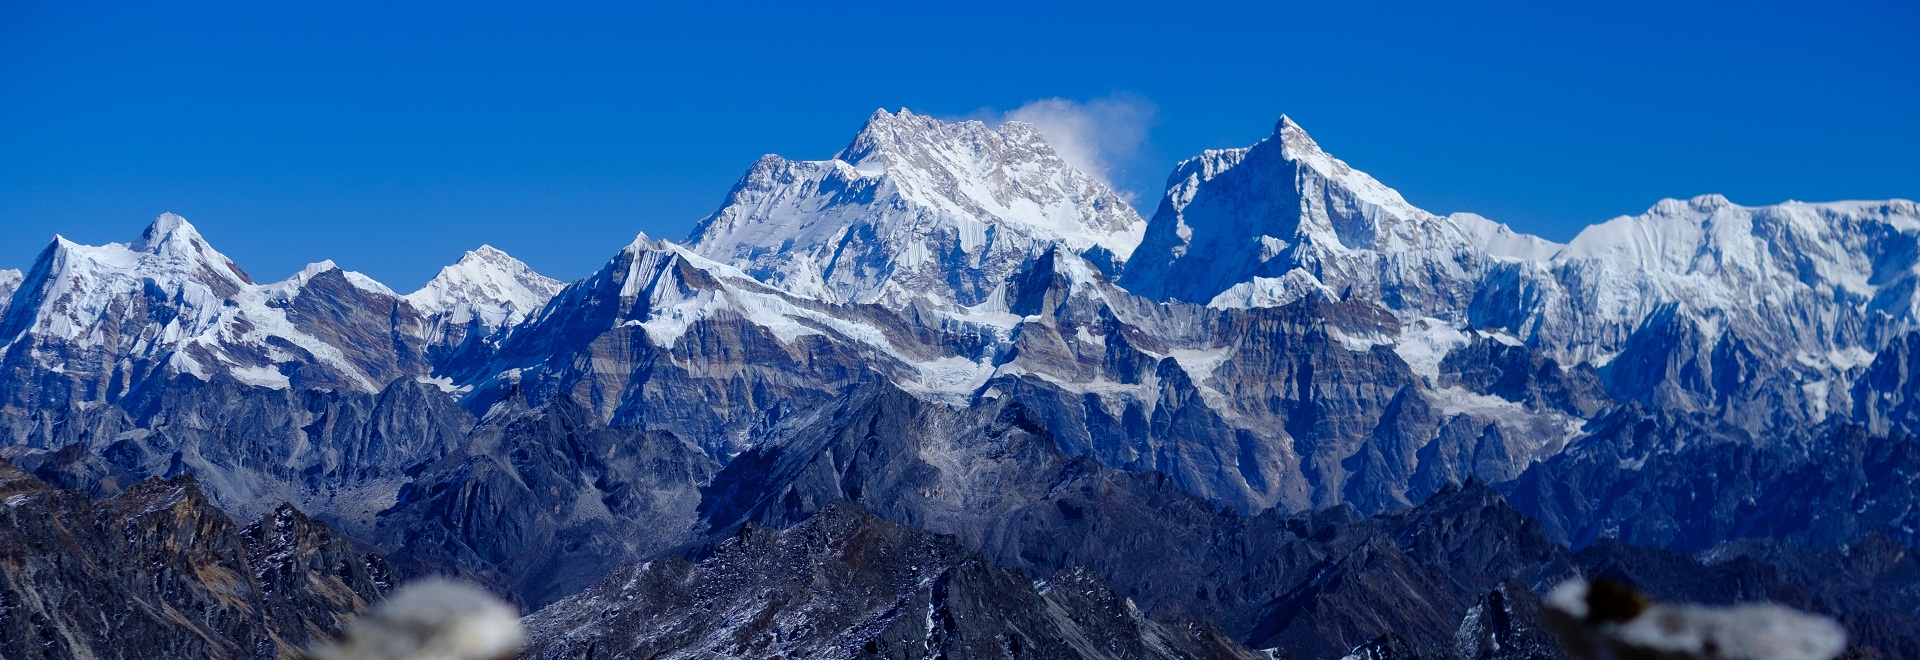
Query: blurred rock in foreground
[
  {"x": 1604, "y": 620},
  {"x": 432, "y": 619}
]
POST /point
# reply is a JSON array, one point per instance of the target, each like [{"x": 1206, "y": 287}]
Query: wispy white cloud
[{"x": 1099, "y": 136}]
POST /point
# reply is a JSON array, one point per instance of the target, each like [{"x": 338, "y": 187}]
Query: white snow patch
[
  {"x": 261, "y": 376},
  {"x": 444, "y": 383},
  {"x": 1425, "y": 343}
]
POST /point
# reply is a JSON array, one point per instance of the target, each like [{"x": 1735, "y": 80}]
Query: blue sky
[{"x": 393, "y": 138}]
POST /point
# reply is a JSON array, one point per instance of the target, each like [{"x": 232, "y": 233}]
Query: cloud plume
[{"x": 1099, "y": 136}]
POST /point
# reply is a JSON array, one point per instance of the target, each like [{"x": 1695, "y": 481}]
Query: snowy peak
[
  {"x": 1795, "y": 258},
  {"x": 174, "y": 241},
  {"x": 915, "y": 208},
  {"x": 1293, "y": 137},
  {"x": 168, "y": 231},
  {"x": 1839, "y": 242},
  {"x": 486, "y": 285},
  {"x": 1007, "y": 174},
  {"x": 1339, "y": 178},
  {"x": 1279, "y": 219},
  {"x": 73, "y": 289},
  {"x": 288, "y": 288},
  {"x": 168, "y": 303}
]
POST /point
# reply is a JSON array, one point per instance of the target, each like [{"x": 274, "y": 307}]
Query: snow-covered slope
[
  {"x": 1817, "y": 277},
  {"x": 1269, "y": 224},
  {"x": 1715, "y": 305},
  {"x": 9, "y": 282},
  {"x": 105, "y": 318},
  {"x": 487, "y": 290},
  {"x": 663, "y": 337},
  {"x": 915, "y": 208},
  {"x": 1764, "y": 312}
]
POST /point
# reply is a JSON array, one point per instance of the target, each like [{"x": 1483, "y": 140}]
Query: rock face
[
  {"x": 847, "y": 584},
  {"x": 341, "y": 454},
  {"x": 1673, "y": 482},
  {"x": 1315, "y": 584},
  {"x": 160, "y": 572},
  {"x": 663, "y": 338},
  {"x": 544, "y": 502}
]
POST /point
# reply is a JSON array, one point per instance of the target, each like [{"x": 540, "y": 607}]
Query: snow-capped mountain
[
  {"x": 1289, "y": 331},
  {"x": 110, "y": 317},
  {"x": 1688, "y": 287},
  {"x": 482, "y": 295},
  {"x": 1826, "y": 278},
  {"x": 74, "y": 292},
  {"x": 915, "y": 209},
  {"x": 1764, "y": 313},
  {"x": 1268, "y": 224},
  {"x": 665, "y": 338},
  {"x": 948, "y": 325},
  {"x": 486, "y": 286},
  {"x": 106, "y": 319}
]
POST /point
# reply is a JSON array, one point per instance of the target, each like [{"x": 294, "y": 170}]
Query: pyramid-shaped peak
[
  {"x": 488, "y": 264},
  {"x": 488, "y": 254},
  {"x": 172, "y": 240},
  {"x": 1293, "y": 137},
  {"x": 1711, "y": 200},
  {"x": 486, "y": 284},
  {"x": 644, "y": 243},
  {"x": 167, "y": 229}
]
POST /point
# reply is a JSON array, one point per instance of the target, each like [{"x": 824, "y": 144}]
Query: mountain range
[{"x": 1288, "y": 410}]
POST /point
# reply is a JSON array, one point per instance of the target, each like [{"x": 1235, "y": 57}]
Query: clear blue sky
[{"x": 391, "y": 139}]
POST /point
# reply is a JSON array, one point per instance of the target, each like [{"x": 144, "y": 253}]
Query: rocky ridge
[
  {"x": 846, "y": 584},
  {"x": 158, "y": 571}
]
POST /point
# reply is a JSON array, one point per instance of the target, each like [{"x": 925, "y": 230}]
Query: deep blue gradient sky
[{"x": 391, "y": 139}]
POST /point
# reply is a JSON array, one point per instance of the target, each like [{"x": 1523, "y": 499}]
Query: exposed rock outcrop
[{"x": 159, "y": 572}]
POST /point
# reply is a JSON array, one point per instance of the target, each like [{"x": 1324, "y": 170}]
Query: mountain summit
[
  {"x": 915, "y": 208},
  {"x": 1267, "y": 224},
  {"x": 486, "y": 293}
]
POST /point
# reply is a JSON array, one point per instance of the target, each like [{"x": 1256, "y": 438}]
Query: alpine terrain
[{"x": 942, "y": 394}]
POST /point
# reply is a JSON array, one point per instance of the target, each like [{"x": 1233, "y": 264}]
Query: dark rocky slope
[
  {"x": 1680, "y": 482},
  {"x": 159, "y": 572},
  {"x": 542, "y": 502},
  {"x": 992, "y": 477},
  {"x": 849, "y": 585}
]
